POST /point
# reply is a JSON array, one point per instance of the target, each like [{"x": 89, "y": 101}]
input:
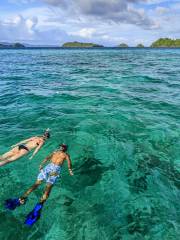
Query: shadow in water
[
  {"x": 90, "y": 172},
  {"x": 138, "y": 178},
  {"x": 166, "y": 168},
  {"x": 139, "y": 222},
  {"x": 68, "y": 201}
]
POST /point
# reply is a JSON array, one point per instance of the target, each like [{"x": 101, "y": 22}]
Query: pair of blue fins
[{"x": 32, "y": 217}]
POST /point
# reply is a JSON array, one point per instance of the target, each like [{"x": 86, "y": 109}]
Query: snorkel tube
[{"x": 47, "y": 133}]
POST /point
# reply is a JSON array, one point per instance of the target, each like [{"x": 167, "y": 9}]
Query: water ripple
[{"x": 119, "y": 112}]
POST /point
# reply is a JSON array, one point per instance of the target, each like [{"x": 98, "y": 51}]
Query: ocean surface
[{"x": 119, "y": 113}]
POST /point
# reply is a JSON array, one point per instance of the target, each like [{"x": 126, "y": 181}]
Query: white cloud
[
  {"x": 107, "y": 22},
  {"x": 116, "y": 11},
  {"x": 18, "y": 28},
  {"x": 156, "y": 1},
  {"x": 84, "y": 32}
]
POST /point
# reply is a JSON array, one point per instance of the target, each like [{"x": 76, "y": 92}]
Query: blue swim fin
[
  {"x": 34, "y": 215},
  {"x": 11, "y": 204}
]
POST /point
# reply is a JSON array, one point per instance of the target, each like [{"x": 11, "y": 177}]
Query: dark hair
[
  {"x": 47, "y": 134},
  {"x": 64, "y": 147}
]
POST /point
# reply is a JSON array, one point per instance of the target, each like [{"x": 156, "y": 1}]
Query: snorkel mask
[
  {"x": 63, "y": 147},
  {"x": 47, "y": 133}
]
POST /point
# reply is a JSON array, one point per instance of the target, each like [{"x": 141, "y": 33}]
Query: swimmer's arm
[
  {"x": 44, "y": 161},
  {"x": 24, "y": 141},
  {"x": 36, "y": 150},
  {"x": 69, "y": 165}
]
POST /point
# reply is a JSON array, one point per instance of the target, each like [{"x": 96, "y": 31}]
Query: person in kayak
[{"x": 24, "y": 147}]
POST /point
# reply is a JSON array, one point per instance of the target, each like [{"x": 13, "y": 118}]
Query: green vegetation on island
[
  {"x": 123, "y": 45},
  {"x": 18, "y": 45},
  {"x": 140, "y": 45},
  {"x": 80, "y": 45},
  {"x": 11, "y": 45},
  {"x": 160, "y": 43},
  {"x": 166, "y": 42}
]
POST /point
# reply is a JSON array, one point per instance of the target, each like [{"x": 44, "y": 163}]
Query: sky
[{"x": 106, "y": 22}]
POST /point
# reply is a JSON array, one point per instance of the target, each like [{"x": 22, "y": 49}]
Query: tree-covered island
[
  {"x": 11, "y": 45},
  {"x": 166, "y": 42},
  {"x": 123, "y": 45},
  {"x": 80, "y": 45},
  {"x": 140, "y": 45}
]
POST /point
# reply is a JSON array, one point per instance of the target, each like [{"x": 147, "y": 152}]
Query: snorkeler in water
[
  {"x": 50, "y": 174},
  {"x": 24, "y": 147}
]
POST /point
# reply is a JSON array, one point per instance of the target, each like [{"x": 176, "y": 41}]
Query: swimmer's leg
[
  {"x": 11, "y": 159},
  {"x": 46, "y": 193},
  {"x": 35, "y": 214},
  {"x": 4, "y": 162},
  {"x": 30, "y": 190},
  {"x": 9, "y": 154},
  {"x": 18, "y": 155}
]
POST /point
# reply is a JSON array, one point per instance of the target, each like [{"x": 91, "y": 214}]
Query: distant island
[
  {"x": 123, "y": 45},
  {"x": 140, "y": 45},
  {"x": 160, "y": 43},
  {"x": 166, "y": 42},
  {"x": 11, "y": 45},
  {"x": 80, "y": 45}
]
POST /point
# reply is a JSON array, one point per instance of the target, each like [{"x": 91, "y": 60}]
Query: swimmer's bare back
[{"x": 58, "y": 157}]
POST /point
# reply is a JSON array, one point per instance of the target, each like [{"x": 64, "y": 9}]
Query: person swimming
[
  {"x": 49, "y": 174},
  {"x": 24, "y": 147}
]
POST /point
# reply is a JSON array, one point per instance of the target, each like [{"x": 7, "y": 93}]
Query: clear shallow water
[{"x": 119, "y": 112}]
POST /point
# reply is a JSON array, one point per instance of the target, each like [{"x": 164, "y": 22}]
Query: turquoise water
[{"x": 119, "y": 112}]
